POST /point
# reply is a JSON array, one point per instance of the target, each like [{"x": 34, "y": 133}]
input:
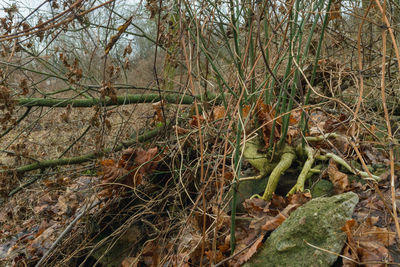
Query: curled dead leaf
[
  {"x": 339, "y": 179},
  {"x": 250, "y": 252},
  {"x": 218, "y": 113},
  {"x": 246, "y": 110},
  {"x": 179, "y": 130},
  {"x": 265, "y": 115},
  {"x": 367, "y": 243},
  {"x": 134, "y": 164},
  {"x": 196, "y": 121},
  {"x": 274, "y": 223},
  {"x": 158, "y": 110}
]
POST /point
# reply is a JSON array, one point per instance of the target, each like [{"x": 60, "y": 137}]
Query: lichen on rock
[{"x": 314, "y": 225}]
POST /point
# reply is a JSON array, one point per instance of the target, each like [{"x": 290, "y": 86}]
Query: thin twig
[
  {"x": 18, "y": 121},
  {"x": 237, "y": 253},
  {"x": 66, "y": 231},
  {"x": 385, "y": 109}
]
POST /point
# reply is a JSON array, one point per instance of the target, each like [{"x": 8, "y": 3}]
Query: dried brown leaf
[
  {"x": 158, "y": 110},
  {"x": 372, "y": 255},
  {"x": 121, "y": 29},
  {"x": 216, "y": 257},
  {"x": 255, "y": 206},
  {"x": 339, "y": 179},
  {"x": 223, "y": 218},
  {"x": 335, "y": 13},
  {"x": 196, "y": 121},
  {"x": 299, "y": 198},
  {"x": 129, "y": 262},
  {"x": 218, "y": 112},
  {"x": 246, "y": 110},
  {"x": 179, "y": 130},
  {"x": 265, "y": 115},
  {"x": 250, "y": 252},
  {"x": 274, "y": 223},
  {"x": 366, "y": 243}
]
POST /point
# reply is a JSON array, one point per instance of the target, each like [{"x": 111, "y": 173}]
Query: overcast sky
[{"x": 27, "y": 6}]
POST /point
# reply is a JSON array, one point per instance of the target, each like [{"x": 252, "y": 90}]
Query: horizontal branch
[
  {"x": 121, "y": 100},
  {"x": 84, "y": 158}
]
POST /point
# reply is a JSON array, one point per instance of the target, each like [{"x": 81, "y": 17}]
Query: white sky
[{"x": 26, "y": 6}]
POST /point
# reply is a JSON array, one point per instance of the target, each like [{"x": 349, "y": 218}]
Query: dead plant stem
[
  {"x": 189, "y": 66},
  {"x": 383, "y": 95},
  {"x": 83, "y": 211}
]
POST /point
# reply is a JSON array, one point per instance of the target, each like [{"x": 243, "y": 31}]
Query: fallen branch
[
  {"x": 84, "y": 158},
  {"x": 120, "y": 100}
]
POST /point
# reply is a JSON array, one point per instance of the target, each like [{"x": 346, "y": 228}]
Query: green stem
[
  {"x": 237, "y": 166},
  {"x": 303, "y": 121}
]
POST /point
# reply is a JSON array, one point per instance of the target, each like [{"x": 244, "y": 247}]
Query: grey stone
[
  {"x": 317, "y": 222},
  {"x": 323, "y": 188}
]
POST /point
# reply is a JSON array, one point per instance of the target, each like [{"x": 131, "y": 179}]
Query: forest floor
[{"x": 80, "y": 214}]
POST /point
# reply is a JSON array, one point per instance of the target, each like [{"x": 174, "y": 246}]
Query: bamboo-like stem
[{"x": 303, "y": 120}]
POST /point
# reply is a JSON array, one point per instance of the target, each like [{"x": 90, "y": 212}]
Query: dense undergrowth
[{"x": 179, "y": 133}]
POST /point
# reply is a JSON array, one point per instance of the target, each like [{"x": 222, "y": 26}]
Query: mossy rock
[
  {"x": 316, "y": 224},
  {"x": 323, "y": 188}
]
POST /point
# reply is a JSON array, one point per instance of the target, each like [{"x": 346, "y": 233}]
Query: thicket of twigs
[{"x": 126, "y": 123}]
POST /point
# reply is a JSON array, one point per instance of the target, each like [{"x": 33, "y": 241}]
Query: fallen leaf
[
  {"x": 134, "y": 164},
  {"x": 218, "y": 112},
  {"x": 196, "y": 121},
  {"x": 339, "y": 179},
  {"x": 129, "y": 262},
  {"x": 250, "y": 252},
  {"x": 278, "y": 202},
  {"x": 246, "y": 110},
  {"x": 223, "y": 218},
  {"x": 369, "y": 232},
  {"x": 265, "y": 115},
  {"x": 43, "y": 242},
  {"x": 274, "y": 223},
  {"x": 373, "y": 254},
  {"x": 255, "y": 206},
  {"x": 367, "y": 243},
  {"x": 217, "y": 257},
  {"x": 292, "y": 133},
  {"x": 107, "y": 162},
  {"x": 347, "y": 228},
  {"x": 224, "y": 247},
  {"x": 299, "y": 198},
  {"x": 151, "y": 254},
  {"x": 179, "y": 130},
  {"x": 317, "y": 122},
  {"x": 348, "y": 254},
  {"x": 158, "y": 110}
]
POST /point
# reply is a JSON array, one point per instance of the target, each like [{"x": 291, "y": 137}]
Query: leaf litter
[{"x": 26, "y": 234}]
